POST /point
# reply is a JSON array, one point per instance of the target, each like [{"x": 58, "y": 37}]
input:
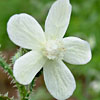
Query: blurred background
[{"x": 85, "y": 23}]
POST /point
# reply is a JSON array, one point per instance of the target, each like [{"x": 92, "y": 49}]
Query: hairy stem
[
  {"x": 30, "y": 88},
  {"x": 7, "y": 68},
  {"x": 4, "y": 98}
]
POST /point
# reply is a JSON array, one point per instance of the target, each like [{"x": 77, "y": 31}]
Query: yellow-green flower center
[{"x": 54, "y": 49}]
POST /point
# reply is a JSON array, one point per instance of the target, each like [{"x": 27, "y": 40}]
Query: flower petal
[
  {"x": 59, "y": 80},
  {"x": 58, "y": 19},
  {"x": 27, "y": 66},
  {"x": 77, "y": 51},
  {"x": 25, "y": 31}
]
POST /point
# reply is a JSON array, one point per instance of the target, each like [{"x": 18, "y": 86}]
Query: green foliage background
[{"x": 85, "y": 23}]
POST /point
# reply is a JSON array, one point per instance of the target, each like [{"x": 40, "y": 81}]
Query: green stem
[
  {"x": 6, "y": 67},
  {"x": 30, "y": 88},
  {"x": 21, "y": 88},
  {"x": 31, "y": 85},
  {"x": 4, "y": 98}
]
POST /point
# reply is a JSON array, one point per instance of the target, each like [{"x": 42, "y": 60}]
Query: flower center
[{"x": 54, "y": 49}]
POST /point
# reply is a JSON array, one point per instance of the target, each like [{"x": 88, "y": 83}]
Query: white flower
[{"x": 48, "y": 49}]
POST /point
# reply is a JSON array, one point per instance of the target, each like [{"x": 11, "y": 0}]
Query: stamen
[{"x": 54, "y": 49}]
